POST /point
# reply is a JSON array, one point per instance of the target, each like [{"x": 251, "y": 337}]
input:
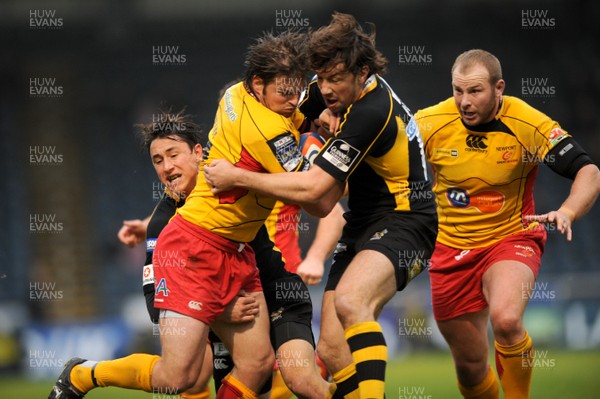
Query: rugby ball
[{"x": 310, "y": 145}]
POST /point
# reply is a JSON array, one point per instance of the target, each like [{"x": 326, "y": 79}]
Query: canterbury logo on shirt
[{"x": 477, "y": 142}]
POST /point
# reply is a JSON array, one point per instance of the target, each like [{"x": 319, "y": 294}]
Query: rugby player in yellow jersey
[
  {"x": 200, "y": 260},
  {"x": 172, "y": 151},
  {"x": 282, "y": 227},
  {"x": 485, "y": 149},
  {"x": 392, "y": 224}
]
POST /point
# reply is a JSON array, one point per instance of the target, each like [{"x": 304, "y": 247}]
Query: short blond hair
[{"x": 479, "y": 57}]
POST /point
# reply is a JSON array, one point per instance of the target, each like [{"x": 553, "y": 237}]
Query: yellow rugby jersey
[
  {"x": 253, "y": 137},
  {"x": 484, "y": 175}
]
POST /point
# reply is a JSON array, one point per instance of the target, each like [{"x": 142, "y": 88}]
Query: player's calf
[{"x": 296, "y": 360}]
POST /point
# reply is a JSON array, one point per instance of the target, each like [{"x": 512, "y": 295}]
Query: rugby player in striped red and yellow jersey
[
  {"x": 392, "y": 223},
  {"x": 485, "y": 149},
  {"x": 200, "y": 260}
]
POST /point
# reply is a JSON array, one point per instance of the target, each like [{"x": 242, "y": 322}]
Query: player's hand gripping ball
[{"x": 310, "y": 145}]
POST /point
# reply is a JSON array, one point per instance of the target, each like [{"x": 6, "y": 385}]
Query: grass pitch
[{"x": 559, "y": 374}]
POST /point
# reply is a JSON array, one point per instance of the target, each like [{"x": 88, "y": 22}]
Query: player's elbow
[
  {"x": 590, "y": 175},
  {"x": 596, "y": 173},
  {"x": 320, "y": 192},
  {"x": 321, "y": 202},
  {"x": 320, "y": 208}
]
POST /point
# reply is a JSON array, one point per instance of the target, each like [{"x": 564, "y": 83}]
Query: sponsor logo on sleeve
[
  {"x": 148, "y": 275},
  {"x": 229, "y": 108},
  {"x": 412, "y": 129},
  {"x": 566, "y": 149},
  {"x": 286, "y": 150},
  {"x": 557, "y": 135},
  {"x": 150, "y": 244},
  {"x": 341, "y": 155}
]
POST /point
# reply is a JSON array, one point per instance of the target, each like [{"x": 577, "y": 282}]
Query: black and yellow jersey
[{"x": 383, "y": 163}]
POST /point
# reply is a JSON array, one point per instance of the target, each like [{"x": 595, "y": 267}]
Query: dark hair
[
  {"x": 175, "y": 126},
  {"x": 344, "y": 41},
  {"x": 271, "y": 56},
  {"x": 479, "y": 57}
]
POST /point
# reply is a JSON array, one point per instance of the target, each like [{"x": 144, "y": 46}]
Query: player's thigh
[
  {"x": 183, "y": 342},
  {"x": 507, "y": 286},
  {"x": 467, "y": 337},
  {"x": 249, "y": 343},
  {"x": 369, "y": 281}
]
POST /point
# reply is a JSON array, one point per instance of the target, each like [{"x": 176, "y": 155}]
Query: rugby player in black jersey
[{"x": 392, "y": 224}]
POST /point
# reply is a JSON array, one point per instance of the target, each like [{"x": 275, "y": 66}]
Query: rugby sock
[
  {"x": 81, "y": 376},
  {"x": 486, "y": 389},
  {"x": 345, "y": 384},
  {"x": 232, "y": 388},
  {"x": 369, "y": 352},
  {"x": 265, "y": 391},
  {"x": 278, "y": 389},
  {"x": 515, "y": 367},
  {"x": 133, "y": 372},
  {"x": 201, "y": 395},
  {"x": 322, "y": 368}
]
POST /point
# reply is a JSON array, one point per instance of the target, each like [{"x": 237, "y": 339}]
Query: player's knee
[
  {"x": 349, "y": 309},
  {"x": 471, "y": 371},
  {"x": 176, "y": 377},
  {"x": 329, "y": 352},
  {"x": 182, "y": 381},
  {"x": 297, "y": 379},
  {"x": 507, "y": 326},
  {"x": 261, "y": 364},
  {"x": 323, "y": 349}
]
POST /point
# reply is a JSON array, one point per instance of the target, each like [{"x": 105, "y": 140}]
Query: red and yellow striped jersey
[
  {"x": 484, "y": 175},
  {"x": 253, "y": 137},
  {"x": 282, "y": 225}
]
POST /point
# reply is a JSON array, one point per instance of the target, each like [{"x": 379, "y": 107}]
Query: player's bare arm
[
  {"x": 315, "y": 190},
  {"x": 328, "y": 233},
  {"x": 583, "y": 195}
]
